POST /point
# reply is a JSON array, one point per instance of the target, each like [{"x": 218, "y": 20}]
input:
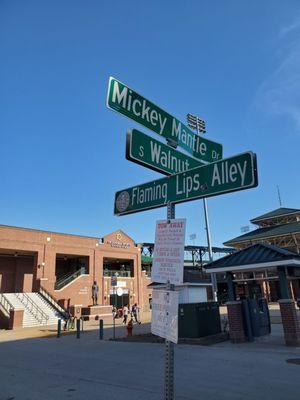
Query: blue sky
[{"x": 62, "y": 156}]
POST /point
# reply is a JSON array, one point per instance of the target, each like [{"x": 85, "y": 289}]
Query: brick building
[{"x": 66, "y": 265}]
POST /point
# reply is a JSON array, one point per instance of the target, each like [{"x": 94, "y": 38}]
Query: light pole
[{"x": 198, "y": 124}]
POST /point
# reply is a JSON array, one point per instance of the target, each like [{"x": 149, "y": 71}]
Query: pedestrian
[
  {"x": 95, "y": 291},
  {"x": 129, "y": 327},
  {"x": 134, "y": 313},
  {"x": 114, "y": 312},
  {"x": 67, "y": 320},
  {"x": 125, "y": 314}
]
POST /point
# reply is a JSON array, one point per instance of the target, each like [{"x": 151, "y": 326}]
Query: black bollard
[
  {"x": 101, "y": 329},
  {"x": 58, "y": 328},
  {"x": 78, "y": 328},
  {"x": 81, "y": 324}
]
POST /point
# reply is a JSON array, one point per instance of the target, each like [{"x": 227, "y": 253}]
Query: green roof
[
  {"x": 267, "y": 232},
  {"x": 279, "y": 212},
  {"x": 255, "y": 254}
]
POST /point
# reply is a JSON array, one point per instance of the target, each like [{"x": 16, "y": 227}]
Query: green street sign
[
  {"x": 144, "y": 150},
  {"x": 224, "y": 176},
  {"x": 127, "y": 102}
]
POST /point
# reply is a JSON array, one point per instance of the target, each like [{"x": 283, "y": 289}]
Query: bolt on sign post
[
  {"x": 126, "y": 101},
  {"x": 224, "y": 176}
]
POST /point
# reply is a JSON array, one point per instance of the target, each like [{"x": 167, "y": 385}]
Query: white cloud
[
  {"x": 279, "y": 94},
  {"x": 289, "y": 28}
]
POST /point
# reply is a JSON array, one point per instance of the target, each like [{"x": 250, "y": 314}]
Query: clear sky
[{"x": 235, "y": 63}]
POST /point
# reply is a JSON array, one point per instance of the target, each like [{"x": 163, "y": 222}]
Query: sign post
[
  {"x": 189, "y": 180},
  {"x": 169, "y": 352},
  {"x": 114, "y": 281},
  {"x": 167, "y": 268}
]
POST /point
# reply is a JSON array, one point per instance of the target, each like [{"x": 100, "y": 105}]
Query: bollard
[
  {"x": 78, "y": 328},
  {"x": 101, "y": 329},
  {"x": 81, "y": 324},
  {"x": 58, "y": 328}
]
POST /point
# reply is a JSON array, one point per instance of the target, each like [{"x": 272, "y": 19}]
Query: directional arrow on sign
[{"x": 224, "y": 176}]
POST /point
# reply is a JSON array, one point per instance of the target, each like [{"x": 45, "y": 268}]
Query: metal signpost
[
  {"x": 167, "y": 267},
  {"x": 228, "y": 175},
  {"x": 114, "y": 282},
  {"x": 198, "y": 124},
  {"x": 126, "y": 101},
  {"x": 169, "y": 346},
  {"x": 203, "y": 175}
]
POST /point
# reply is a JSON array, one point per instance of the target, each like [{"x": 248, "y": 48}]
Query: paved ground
[
  {"x": 36, "y": 332},
  {"x": 87, "y": 368}
]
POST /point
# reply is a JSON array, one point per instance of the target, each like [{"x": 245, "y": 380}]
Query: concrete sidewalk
[
  {"x": 38, "y": 332},
  {"x": 87, "y": 368}
]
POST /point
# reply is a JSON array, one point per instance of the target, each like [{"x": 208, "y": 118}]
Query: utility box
[
  {"x": 198, "y": 320},
  {"x": 256, "y": 318}
]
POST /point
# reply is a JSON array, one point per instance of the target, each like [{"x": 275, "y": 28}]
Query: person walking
[
  {"x": 134, "y": 312},
  {"x": 125, "y": 314},
  {"x": 95, "y": 291}
]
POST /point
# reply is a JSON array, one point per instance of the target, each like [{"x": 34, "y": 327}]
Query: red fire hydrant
[{"x": 129, "y": 328}]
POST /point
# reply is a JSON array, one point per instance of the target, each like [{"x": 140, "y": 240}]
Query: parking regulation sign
[
  {"x": 168, "y": 256},
  {"x": 164, "y": 318}
]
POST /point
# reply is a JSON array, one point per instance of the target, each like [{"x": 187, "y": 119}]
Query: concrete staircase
[{"x": 37, "y": 311}]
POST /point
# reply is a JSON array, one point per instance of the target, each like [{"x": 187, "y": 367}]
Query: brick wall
[
  {"x": 235, "y": 319},
  {"x": 290, "y": 322}
]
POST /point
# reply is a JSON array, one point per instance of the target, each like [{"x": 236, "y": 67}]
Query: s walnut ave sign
[
  {"x": 228, "y": 175},
  {"x": 128, "y": 102}
]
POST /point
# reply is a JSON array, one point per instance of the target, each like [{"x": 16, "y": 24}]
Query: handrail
[
  {"x": 53, "y": 302},
  {"x": 119, "y": 273},
  {"x": 64, "y": 280},
  {"x": 6, "y": 304},
  {"x": 35, "y": 309}
]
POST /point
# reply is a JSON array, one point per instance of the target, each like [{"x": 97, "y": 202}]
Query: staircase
[
  {"x": 37, "y": 310},
  {"x": 66, "y": 279}
]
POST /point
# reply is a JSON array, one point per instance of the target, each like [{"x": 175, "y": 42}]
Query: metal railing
[
  {"x": 53, "y": 302},
  {"x": 64, "y": 280},
  {"x": 118, "y": 273},
  {"x": 6, "y": 304},
  {"x": 33, "y": 308}
]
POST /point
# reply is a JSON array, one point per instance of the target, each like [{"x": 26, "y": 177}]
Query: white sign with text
[
  {"x": 168, "y": 256},
  {"x": 164, "y": 319}
]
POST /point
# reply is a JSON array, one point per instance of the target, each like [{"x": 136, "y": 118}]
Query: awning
[{"x": 257, "y": 256}]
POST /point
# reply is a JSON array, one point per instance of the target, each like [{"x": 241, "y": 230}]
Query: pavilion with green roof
[{"x": 280, "y": 227}]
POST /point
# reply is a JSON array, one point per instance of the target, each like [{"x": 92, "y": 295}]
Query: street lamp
[{"x": 198, "y": 125}]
